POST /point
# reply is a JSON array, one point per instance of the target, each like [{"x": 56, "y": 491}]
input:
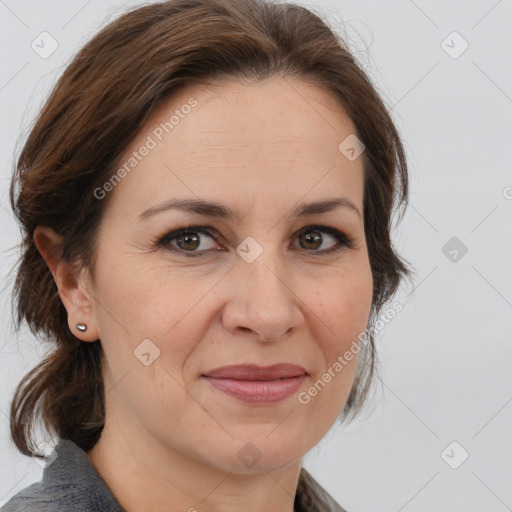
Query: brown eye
[
  {"x": 311, "y": 240},
  {"x": 313, "y": 237},
  {"x": 188, "y": 242}
]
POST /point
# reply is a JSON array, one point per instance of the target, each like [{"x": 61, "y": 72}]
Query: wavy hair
[{"x": 95, "y": 110}]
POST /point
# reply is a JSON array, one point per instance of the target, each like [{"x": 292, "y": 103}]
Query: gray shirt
[
  {"x": 72, "y": 484},
  {"x": 69, "y": 484}
]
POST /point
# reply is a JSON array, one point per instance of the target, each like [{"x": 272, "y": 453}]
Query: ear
[{"x": 75, "y": 289}]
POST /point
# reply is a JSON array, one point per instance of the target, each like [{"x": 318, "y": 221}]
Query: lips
[
  {"x": 254, "y": 372},
  {"x": 258, "y": 385}
]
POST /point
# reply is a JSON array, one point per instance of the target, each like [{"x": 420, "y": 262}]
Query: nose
[{"x": 263, "y": 304}]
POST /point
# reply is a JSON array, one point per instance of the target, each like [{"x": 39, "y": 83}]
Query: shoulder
[
  {"x": 70, "y": 484},
  {"x": 34, "y": 497},
  {"x": 25, "y": 500},
  {"x": 312, "y": 497}
]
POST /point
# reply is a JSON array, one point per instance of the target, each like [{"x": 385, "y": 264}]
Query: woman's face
[{"x": 264, "y": 287}]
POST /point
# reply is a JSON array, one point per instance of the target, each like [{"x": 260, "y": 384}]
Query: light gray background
[{"x": 446, "y": 357}]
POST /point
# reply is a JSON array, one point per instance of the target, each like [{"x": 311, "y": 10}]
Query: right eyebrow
[{"x": 221, "y": 211}]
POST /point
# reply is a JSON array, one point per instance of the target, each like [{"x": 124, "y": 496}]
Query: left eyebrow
[
  {"x": 221, "y": 211},
  {"x": 305, "y": 209}
]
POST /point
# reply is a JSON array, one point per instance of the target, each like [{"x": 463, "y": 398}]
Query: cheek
[
  {"x": 343, "y": 304},
  {"x": 136, "y": 303},
  {"x": 133, "y": 297}
]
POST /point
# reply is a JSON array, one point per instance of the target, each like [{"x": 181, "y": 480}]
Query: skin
[{"x": 171, "y": 440}]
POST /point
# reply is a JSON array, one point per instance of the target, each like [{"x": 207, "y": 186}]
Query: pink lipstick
[{"x": 258, "y": 384}]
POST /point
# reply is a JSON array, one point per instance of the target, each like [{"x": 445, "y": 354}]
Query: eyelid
[
  {"x": 343, "y": 240},
  {"x": 160, "y": 241}
]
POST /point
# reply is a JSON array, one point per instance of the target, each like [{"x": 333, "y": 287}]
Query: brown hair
[{"x": 97, "y": 108}]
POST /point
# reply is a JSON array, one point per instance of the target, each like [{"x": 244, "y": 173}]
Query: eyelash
[{"x": 164, "y": 241}]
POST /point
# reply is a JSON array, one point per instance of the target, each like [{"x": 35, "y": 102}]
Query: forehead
[
  {"x": 275, "y": 109},
  {"x": 269, "y": 138}
]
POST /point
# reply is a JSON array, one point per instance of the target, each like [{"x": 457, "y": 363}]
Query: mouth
[{"x": 257, "y": 384}]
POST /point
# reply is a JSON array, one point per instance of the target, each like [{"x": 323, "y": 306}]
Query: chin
[{"x": 258, "y": 453}]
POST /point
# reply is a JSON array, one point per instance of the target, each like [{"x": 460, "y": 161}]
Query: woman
[{"x": 205, "y": 201}]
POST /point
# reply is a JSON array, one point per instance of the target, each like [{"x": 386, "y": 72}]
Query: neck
[{"x": 145, "y": 474}]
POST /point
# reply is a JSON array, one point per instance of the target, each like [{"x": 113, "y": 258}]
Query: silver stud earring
[{"x": 81, "y": 327}]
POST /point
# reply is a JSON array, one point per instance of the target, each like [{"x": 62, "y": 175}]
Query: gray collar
[{"x": 75, "y": 481}]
